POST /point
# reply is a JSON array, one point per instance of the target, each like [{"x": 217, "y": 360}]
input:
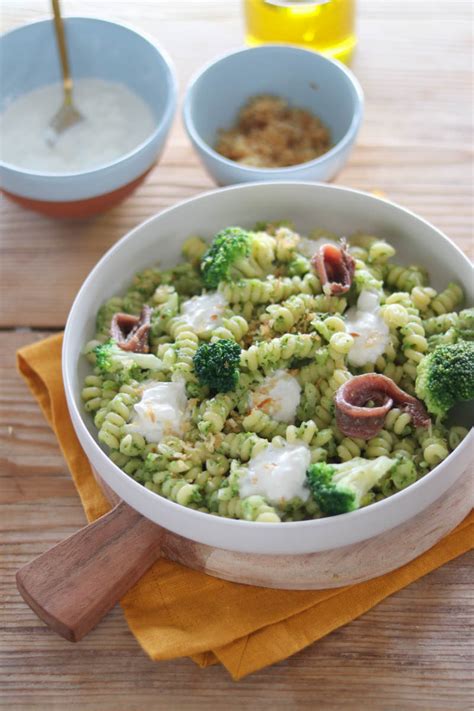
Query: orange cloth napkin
[{"x": 174, "y": 611}]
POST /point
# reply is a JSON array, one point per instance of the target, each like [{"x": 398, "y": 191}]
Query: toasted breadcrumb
[{"x": 271, "y": 134}]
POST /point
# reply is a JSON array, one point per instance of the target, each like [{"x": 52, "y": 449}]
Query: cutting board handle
[{"x": 75, "y": 583}]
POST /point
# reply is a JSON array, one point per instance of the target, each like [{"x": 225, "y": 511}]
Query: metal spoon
[{"x": 68, "y": 115}]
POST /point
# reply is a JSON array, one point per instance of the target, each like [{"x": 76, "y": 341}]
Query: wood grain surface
[{"x": 413, "y": 651}]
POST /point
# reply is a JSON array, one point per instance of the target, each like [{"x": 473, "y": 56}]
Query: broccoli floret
[
  {"x": 228, "y": 247},
  {"x": 217, "y": 364},
  {"x": 340, "y": 488},
  {"x": 111, "y": 359},
  {"x": 446, "y": 376}
]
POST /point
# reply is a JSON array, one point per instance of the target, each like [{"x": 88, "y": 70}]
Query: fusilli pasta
[{"x": 194, "y": 443}]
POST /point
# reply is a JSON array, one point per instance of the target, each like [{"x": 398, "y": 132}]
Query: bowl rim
[
  {"x": 174, "y": 508},
  {"x": 171, "y": 83},
  {"x": 346, "y": 139}
]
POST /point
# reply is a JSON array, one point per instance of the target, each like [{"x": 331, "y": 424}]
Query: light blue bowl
[
  {"x": 100, "y": 49},
  {"x": 306, "y": 79}
]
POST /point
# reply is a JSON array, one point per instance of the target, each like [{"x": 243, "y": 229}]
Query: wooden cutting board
[{"x": 73, "y": 585}]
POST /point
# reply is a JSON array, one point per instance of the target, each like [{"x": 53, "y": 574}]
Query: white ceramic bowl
[
  {"x": 306, "y": 79},
  {"x": 160, "y": 238},
  {"x": 100, "y": 49}
]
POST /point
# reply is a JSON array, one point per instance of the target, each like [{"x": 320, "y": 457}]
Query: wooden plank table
[{"x": 410, "y": 652}]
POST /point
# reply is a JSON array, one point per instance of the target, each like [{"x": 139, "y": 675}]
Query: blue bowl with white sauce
[
  {"x": 127, "y": 71},
  {"x": 306, "y": 79}
]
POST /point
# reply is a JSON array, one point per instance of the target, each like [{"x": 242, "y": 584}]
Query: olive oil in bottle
[{"x": 327, "y": 26}]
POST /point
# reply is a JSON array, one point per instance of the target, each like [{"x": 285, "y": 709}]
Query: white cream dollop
[
  {"x": 278, "y": 396},
  {"x": 204, "y": 313},
  {"x": 116, "y": 121},
  {"x": 160, "y": 412},
  {"x": 366, "y": 325},
  {"x": 277, "y": 473},
  {"x": 308, "y": 247}
]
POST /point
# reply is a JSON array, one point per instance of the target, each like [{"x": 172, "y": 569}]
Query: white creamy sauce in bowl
[
  {"x": 277, "y": 473},
  {"x": 278, "y": 396},
  {"x": 116, "y": 121},
  {"x": 160, "y": 412}
]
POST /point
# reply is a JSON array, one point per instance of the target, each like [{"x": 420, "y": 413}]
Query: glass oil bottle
[{"x": 327, "y": 26}]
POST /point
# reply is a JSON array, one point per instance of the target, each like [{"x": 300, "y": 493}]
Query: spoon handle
[
  {"x": 62, "y": 48},
  {"x": 73, "y": 585}
]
